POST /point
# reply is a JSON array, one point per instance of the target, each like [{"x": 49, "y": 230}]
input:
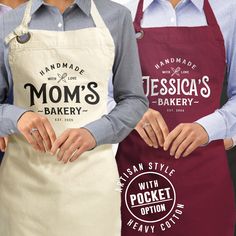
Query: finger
[
  {"x": 158, "y": 136},
  {"x": 57, "y": 144},
  {"x": 190, "y": 149},
  {"x": 39, "y": 140},
  {"x": 171, "y": 137},
  {"x": 70, "y": 152},
  {"x": 77, "y": 154},
  {"x": 144, "y": 136},
  {"x": 50, "y": 131},
  {"x": 2, "y": 145},
  {"x": 228, "y": 143},
  {"x": 151, "y": 135},
  {"x": 179, "y": 139},
  {"x": 163, "y": 126},
  {"x": 182, "y": 147},
  {"x": 6, "y": 141},
  {"x": 30, "y": 139},
  {"x": 44, "y": 135},
  {"x": 69, "y": 146}
]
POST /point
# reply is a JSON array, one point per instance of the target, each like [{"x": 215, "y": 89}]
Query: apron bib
[
  {"x": 183, "y": 70},
  {"x": 64, "y": 76}
]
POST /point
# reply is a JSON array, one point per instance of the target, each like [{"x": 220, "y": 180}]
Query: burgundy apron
[{"x": 183, "y": 70}]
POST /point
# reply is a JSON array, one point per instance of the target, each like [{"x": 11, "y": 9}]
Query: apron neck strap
[
  {"x": 27, "y": 17},
  {"x": 98, "y": 21},
  {"x": 23, "y": 28},
  {"x": 139, "y": 16},
  {"x": 212, "y": 21},
  {"x": 210, "y": 16}
]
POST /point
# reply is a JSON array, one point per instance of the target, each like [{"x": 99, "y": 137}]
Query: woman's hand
[
  {"x": 228, "y": 142},
  {"x": 37, "y": 130},
  {"x": 152, "y": 128},
  {"x": 185, "y": 138},
  {"x": 3, "y": 143},
  {"x": 72, "y": 143}
]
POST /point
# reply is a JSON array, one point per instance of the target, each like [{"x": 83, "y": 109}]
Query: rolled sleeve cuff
[
  {"x": 214, "y": 125},
  {"x": 102, "y": 131}
]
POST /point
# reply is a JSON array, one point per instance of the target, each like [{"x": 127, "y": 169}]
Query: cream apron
[{"x": 63, "y": 75}]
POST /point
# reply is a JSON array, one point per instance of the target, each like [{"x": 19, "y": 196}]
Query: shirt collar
[
  {"x": 146, "y": 4},
  {"x": 4, "y": 7},
  {"x": 197, "y": 3},
  {"x": 84, "y": 5}
]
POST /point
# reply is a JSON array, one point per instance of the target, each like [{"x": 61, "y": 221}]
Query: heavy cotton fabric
[{"x": 183, "y": 71}]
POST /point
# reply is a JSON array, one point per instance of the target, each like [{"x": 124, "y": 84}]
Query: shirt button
[
  {"x": 12, "y": 131},
  {"x": 60, "y": 25},
  {"x": 172, "y": 19}
]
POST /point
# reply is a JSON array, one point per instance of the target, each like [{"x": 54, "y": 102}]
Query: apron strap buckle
[
  {"x": 18, "y": 33},
  {"x": 24, "y": 38}
]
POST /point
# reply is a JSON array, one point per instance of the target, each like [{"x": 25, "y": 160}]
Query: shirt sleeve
[
  {"x": 111, "y": 102},
  {"x": 131, "y": 102},
  {"x": 9, "y": 114},
  {"x": 222, "y": 123}
]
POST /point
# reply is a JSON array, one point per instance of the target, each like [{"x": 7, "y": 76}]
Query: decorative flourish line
[{"x": 151, "y": 203}]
